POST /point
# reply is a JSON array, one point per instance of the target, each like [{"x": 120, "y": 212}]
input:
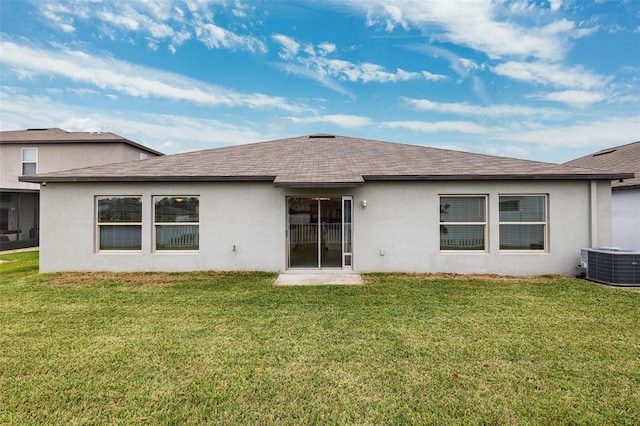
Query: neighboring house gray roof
[
  {"x": 55, "y": 135},
  {"x": 624, "y": 158},
  {"x": 324, "y": 161}
]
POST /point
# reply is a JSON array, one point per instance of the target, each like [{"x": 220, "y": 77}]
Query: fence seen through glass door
[{"x": 315, "y": 232}]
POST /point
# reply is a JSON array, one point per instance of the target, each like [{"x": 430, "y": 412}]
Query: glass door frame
[{"x": 346, "y": 233}]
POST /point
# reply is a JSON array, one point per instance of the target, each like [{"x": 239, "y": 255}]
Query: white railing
[
  {"x": 308, "y": 233},
  {"x": 171, "y": 237},
  {"x": 462, "y": 243}
]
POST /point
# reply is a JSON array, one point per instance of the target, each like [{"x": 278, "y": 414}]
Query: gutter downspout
[{"x": 593, "y": 213}]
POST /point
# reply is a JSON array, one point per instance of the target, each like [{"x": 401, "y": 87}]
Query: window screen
[
  {"x": 119, "y": 222},
  {"x": 29, "y": 161},
  {"x": 523, "y": 222},
  {"x": 177, "y": 222},
  {"x": 463, "y": 222}
]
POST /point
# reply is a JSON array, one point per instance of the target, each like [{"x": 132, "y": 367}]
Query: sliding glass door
[{"x": 317, "y": 232}]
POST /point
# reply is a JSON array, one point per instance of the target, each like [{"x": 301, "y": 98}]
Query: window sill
[
  {"x": 459, "y": 252},
  {"x": 523, "y": 252},
  {"x": 174, "y": 252},
  {"x": 119, "y": 252}
]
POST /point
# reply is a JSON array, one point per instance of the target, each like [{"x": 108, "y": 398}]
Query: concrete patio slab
[{"x": 319, "y": 279}]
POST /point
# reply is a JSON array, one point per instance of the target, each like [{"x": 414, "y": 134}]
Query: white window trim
[
  {"x": 23, "y": 162},
  {"x": 156, "y": 224},
  {"x": 485, "y": 224},
  {"x": 98, "y": 224},
  {"x": 545, "y": 224}
]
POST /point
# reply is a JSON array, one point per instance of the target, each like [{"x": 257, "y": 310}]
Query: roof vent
[
  {"x": 322, "y": 136},
  {"x": 608, "y": 151}
]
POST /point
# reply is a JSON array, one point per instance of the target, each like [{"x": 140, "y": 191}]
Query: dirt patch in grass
[
  {"x": 127, "y": 279},
  {"x": 163, "y": 279},
  {"x": 466, "y": 277}
]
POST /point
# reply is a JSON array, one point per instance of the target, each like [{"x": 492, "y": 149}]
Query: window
[
  {"x": 29, "y": 161},
  {"x": 119, "y": 221},
  {"x": 523, "y": 222},
  {"x": 463, "y": 223},
  {"x": 177, "y": 223}
]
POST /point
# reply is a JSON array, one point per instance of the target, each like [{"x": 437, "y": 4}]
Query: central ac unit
[{"x": 613, "y": 266}]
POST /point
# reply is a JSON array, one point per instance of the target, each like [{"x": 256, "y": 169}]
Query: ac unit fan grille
[{"x": 614, "y": 268}]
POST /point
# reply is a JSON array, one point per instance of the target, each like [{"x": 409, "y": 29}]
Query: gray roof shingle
[
  {"x": 55, "y": 135},
  {"x": 624, "y": 158},
  {"x": 324, "y": 161}
]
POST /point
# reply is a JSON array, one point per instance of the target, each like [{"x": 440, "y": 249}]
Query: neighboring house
[
  {"x": 324, "y": 203},
  {"x": 27, "y": 152},
  {"x": 625, "y": 198}
]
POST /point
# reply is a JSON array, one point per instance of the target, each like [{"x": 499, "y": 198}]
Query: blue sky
[{"x": 541, "y": 80}]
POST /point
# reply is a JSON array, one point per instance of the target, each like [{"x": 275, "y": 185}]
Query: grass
[{"x": 229, "y": 348}]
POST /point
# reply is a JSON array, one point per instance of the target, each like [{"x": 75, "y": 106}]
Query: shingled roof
[
  {"x": 624, "y": 158},
  {"x": 55, "y": 135},
  {"x": 324, "y": 161}
]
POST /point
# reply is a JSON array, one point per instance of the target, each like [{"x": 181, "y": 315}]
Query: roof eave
[
  {"x": 625, "y": 187},
  {"x": 554, "y": 176},
  {"x": 84, "y": 140},
  {"x": 70, "y": 179},
  {"x": 318, "y": 184}
]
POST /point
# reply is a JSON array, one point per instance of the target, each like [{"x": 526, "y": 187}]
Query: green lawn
[{"x": 231, "y": 348}]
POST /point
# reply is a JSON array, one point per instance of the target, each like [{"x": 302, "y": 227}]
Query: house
[
  {"x": 27, "y": 152},
  {"x": 625, "y": 197},
  {"x": 324, "y": 203}
]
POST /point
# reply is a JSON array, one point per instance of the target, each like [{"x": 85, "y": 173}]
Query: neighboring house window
[
  {"x": 119, "y": 223},
  {"x": 177, "y": 222},
  {"x": 463, "y": 223},
  {"x": 29, "y": 161},
  {"x": 523, "y": 222}
]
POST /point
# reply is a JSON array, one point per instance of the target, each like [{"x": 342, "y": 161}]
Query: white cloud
[
  {"x": 122, "y": 20},
  {"x": 437, "y": 126},
  {"x": 464, "y": 108},
  {"x": 290, "y": 47},
  {"x": 326, "y": 48},
  {"x": 475, "y": 24},
  {"x": 305, "y": 72},
  {"x": 217, "y": 37},
  {"x": 575, "y": 98},
  {"x": 433, "y": 77},
  {"x": 54, "y": 13},
  {"x": 462, "y": 66},
  {"x": 324, "y": 68},
  {"x": 554, "y": 5},
  {"x": 160, "y": 20},
  {"x": 552, "y": 74},
  {"x": 341, "y": 120},
  {"x": 168, "y": 133},
  {"x": 125, "y": 78},
  {"x": 608, "y": 131}
]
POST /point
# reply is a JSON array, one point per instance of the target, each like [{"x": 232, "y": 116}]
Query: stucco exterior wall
[
  {"x": 63, "y": 156},
  {"x": 625, "y": 215},
  {"x": 400, "y": 218}
]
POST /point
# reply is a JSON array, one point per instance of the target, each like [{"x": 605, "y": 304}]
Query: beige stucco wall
[
  {"x": 55, "y": 157},
  {"x": 401, "y": 218}
]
